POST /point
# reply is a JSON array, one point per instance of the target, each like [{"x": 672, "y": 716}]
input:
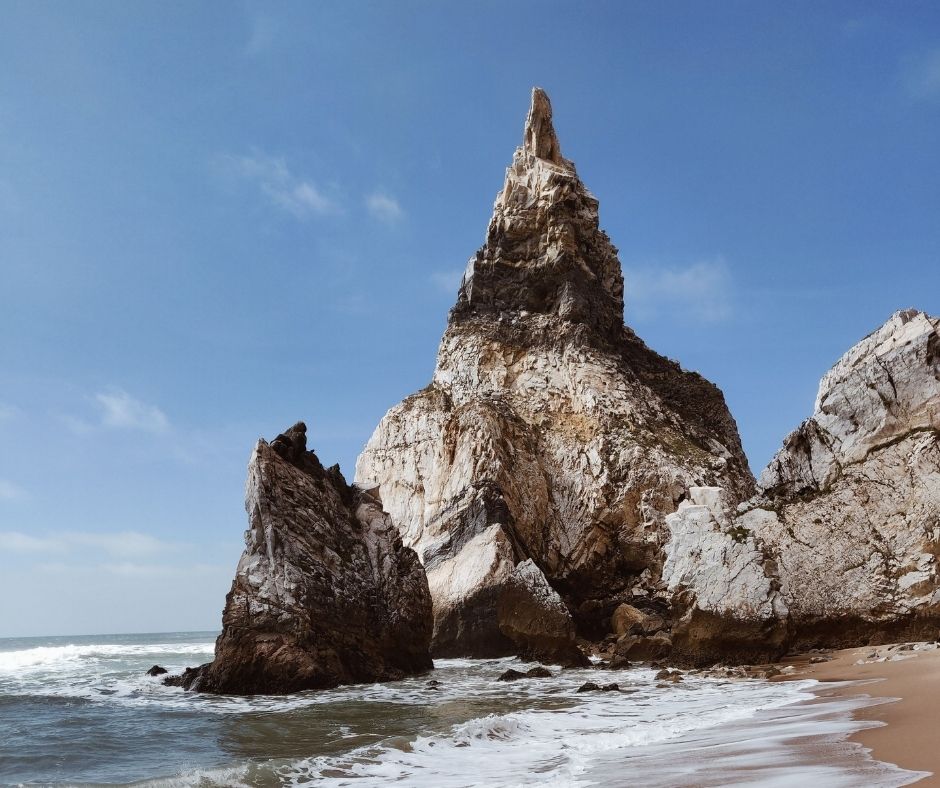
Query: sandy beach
[{"x": 908, "y": 672}]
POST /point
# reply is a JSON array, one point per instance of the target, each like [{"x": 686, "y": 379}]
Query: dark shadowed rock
[
  {"x": 589, "y": 686},
  {"x": 669, "y": 675},
  {"x": 324, "y": 594},
  {"x": 640, "y": 648},
  {"x": 156, "y": 670},
  {"x": 538, "y": 673},
  {"x": 511, "y": 675},
  {"x": 619, "y": 662},
  {"x": 533, "y": 616}
]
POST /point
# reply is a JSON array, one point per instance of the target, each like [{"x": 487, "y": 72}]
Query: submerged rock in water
[
  {"x": 325, "y": 592},
  {"x": 841, "y": 543},
  {"x": 538, "y": 673},
  {"x": 156, "y": 670},
  {"x": 551, "y": 443}
]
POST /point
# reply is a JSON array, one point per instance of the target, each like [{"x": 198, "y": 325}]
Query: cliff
[{"x": 841, "y": 542}]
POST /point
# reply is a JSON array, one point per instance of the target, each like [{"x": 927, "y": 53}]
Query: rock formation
[
  {"x": 840, "y": 545},
  {"x": 535, "y": 473},
  {"x": 325, "y": 593}
]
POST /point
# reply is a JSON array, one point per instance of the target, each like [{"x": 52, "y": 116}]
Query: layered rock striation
[
  {"x": 537, "y": 469},
  {"x": 325, "y": 592},
  {"x": 840, "y": 545}
]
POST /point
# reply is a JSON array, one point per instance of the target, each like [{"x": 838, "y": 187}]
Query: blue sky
[{"x": 219, "y": 218}]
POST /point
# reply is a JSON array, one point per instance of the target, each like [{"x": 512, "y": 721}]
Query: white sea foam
[
  {"x": 702, "y": 733},
  {"x": 65, "y": 657},
  {"x": 471, "y": 730},
  {"x": 553, "y": 746}
]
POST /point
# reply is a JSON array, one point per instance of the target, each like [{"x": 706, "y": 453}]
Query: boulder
[
  {"x": 533, "y": 616},
  {"x": 624, "y": 618},
  {"x": 325, "y": 592},
  {"x": 156, "y": 670},
  {"x": 640, "y": 648},
  {"x": 538, "y": 673},
  {"x": 627, "y": 619}
]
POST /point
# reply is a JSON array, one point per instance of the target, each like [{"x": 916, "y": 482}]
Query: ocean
[{"x": 81, "y": 711}]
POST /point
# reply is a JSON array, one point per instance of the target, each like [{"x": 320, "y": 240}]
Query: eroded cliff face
[
  {"x": 840, "y": 545},
  {"x": 325, "y": 592},
  {"x": 550, "y": 436}
]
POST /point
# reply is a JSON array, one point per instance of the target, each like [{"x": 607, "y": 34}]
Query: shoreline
[{"x": 905, "y": 678}]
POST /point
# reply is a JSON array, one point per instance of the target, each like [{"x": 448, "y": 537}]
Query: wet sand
[{"x": 909, "y": 672}]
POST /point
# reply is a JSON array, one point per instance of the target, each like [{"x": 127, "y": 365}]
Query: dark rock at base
[
  {"x": 669, "y": 675},
  {"x": 539, "y": 673},
  {"x": 589, "y": 686},
  {"x": 703, "y": 638},
  {"x": 325, "y": 592},
  {"x": 188, "y": 679},
  {"x": 612, "y": 687},
  {"x": 643, "y": 649},
  {"x": 533, "y": 673},
  {"x": 156, "y": 670},
  {"x": 534, "y": 617},
  {"x": 627, "y": 619},
  {"x": 618, "y": 662}
]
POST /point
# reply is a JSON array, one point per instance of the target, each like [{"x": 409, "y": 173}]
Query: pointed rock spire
[
  {"x": 540, "y": 139},
  {"x": 544, "y": 253}
]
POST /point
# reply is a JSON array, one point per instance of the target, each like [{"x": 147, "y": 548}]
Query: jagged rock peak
[
  {"x": 883, "y": 388},
  {"x": 544, "y": 253},
  {"x": 539, "y": 138},
  {"x": 325, "y": 592}
]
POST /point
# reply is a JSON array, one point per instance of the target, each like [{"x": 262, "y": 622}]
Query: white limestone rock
[
  {"x": 847, "y": 520},
  {"x": 549, "y": 432},
  {"x": 721, "y": 564}
]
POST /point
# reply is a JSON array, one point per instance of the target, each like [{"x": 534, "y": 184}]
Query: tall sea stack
[{"x": 551, "y": 443}]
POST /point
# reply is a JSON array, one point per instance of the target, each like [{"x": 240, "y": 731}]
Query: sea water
[{"x": 81, "y": 711}]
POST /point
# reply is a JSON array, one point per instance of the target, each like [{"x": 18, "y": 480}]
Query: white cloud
[
  {"x": 700, "y": 291},
  {"x": 447, "y": 281},
  {"x": 10, "y": 491},
  {"x": 922, "y": 76},
  {"x": 121, "y": 411},
  {"x": 16, "y": 542},
  {"x": 384, "y": 208},
  {"x": 297, "y": 196},
  {"x": 122, "y": 545}
]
